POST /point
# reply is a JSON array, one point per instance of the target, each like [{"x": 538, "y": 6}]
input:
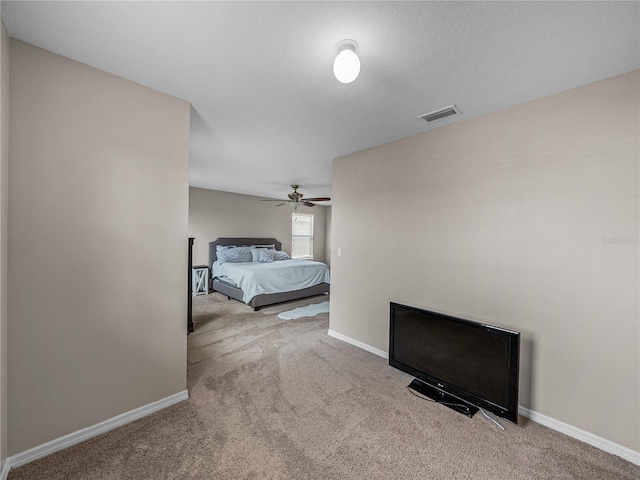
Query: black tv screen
[{"x": 474, "y": 362}]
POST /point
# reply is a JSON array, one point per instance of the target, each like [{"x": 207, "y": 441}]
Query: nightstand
[{"x": 200, "y": 280}]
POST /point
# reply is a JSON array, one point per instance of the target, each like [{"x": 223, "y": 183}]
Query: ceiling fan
[{"x": 296, "y": 199}]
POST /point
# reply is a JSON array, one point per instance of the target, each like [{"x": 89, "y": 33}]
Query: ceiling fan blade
[
  {"x": 318, "y": 199},
  {"x": 296, "y": 199}
]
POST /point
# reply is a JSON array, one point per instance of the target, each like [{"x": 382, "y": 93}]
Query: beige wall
[
  {"x": 510, "y": 219},
  {"x": 98, "y": 196},
  {"x": 4, "y": 196},
  {"x": 214, "y": 214}
]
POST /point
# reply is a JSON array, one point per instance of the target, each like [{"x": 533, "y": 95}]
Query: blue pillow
[
  {"x": 255, "y": 250},
  {"x": 235, "y": 255},
  {"x": 267, "y": 255},
  {"x": 281, "y": 256}
]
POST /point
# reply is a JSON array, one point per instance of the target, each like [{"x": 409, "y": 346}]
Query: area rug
[{"x": 308, "y": 311}]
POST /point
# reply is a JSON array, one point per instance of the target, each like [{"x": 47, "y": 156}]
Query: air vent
[{"x": 443, "y": 113}]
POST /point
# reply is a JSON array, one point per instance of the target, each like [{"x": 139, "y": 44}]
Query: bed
[{"x": 265, "y": 283}]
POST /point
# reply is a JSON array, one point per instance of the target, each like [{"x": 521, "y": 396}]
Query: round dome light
[{"x": 346, "y": 66}]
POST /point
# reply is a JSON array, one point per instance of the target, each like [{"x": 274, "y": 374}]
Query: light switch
[{"x": 339, "y": 251}]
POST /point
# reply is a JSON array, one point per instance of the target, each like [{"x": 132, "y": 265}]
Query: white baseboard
[
  {"x": 586, "y": 437},
  {"x": 363, "y": 346},
  {"x": 89, "y": 432},
  {"x": 5, "y": 471},
  {"x": 574, "y": 432}
]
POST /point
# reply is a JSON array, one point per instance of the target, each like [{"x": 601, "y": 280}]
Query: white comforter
[{"x": 281, "y": 276}]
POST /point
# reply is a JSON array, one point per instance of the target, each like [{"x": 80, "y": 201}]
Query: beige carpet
[{"x": 279, "y": 399}]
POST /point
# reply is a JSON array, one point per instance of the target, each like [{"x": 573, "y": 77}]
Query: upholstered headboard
[{"x": 238, "y": 242}]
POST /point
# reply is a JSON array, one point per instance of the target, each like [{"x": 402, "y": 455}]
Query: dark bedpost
[{"x": 189, "y": 287}]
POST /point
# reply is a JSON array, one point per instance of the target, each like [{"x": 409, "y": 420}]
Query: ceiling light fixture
[{"x": 346, "y": 66}]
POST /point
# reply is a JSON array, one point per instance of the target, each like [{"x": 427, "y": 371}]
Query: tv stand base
[{"x": 445, "y": 399}]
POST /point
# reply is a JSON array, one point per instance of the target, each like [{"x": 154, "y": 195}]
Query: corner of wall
[{"x": 4, "y": 154}]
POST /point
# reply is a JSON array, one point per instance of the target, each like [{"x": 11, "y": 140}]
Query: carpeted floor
[{"x": 279, "y": 399}]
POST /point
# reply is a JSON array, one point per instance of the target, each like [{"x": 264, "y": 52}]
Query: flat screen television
[{"x": 463, "y": 364}]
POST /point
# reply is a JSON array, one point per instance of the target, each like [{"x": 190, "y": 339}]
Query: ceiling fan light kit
[
  {"x": 346, "y": 66},
  {"x": 296, "y": 199}
]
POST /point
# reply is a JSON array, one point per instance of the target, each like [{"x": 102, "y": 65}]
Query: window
[{"x": 301, "y": 235}]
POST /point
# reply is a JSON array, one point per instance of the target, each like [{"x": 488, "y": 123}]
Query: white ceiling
[{"x": 266, "y": 109}]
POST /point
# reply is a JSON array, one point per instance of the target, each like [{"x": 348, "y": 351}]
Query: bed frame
[{"x": 259, "y": 300}]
